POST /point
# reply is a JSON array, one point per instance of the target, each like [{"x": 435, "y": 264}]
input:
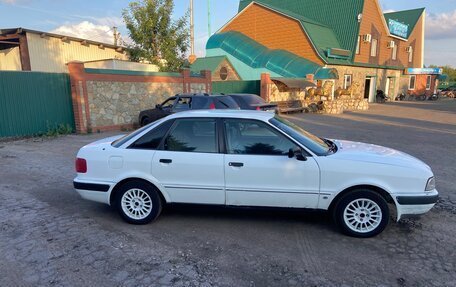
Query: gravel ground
[{"x": 50, "y": 236}]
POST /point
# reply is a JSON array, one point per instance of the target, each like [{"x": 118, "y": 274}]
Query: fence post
[
  {"x": 208, "y": 76},
  {"x": 186, "y": 81},
  {"x": 265, "y": 89},
  {"x": 79, "y": 96}
]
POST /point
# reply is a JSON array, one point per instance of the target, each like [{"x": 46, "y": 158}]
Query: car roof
[
  {"x": 242, "y": 114},
  {"x": 199, "y": 95}
]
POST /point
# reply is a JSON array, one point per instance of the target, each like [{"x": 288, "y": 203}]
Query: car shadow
[{"x": 229, "y": 213}]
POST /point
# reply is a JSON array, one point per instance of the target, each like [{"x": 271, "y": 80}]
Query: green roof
[
  {"x": 329, "y": 23},
  {"x": 208, "y": 63},
  {"x": 408, "y": 17},
  {"x": 257, "y": 56}
]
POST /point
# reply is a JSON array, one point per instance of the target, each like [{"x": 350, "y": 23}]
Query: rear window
[
  {"x": 252, "y": 99},
  {"x": 225, "y": 103},
  {"x": 200, "y": 103}
]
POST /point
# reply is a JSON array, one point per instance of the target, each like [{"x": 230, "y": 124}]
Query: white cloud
[
  {"x": 8, "y": 1},
  {"x": 389, "y": 11},
  {"x": 441, "y": 26},
  {"x": 87, "y": 30}
]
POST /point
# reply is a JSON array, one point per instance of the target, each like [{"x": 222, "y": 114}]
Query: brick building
[{"x": 351, "y": 43}]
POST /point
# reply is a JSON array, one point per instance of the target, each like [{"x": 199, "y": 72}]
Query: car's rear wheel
[
  {"x": 145, "y": 121},
  {"x": 138, "y": 202},
  {"x": 362, "y": 213}
]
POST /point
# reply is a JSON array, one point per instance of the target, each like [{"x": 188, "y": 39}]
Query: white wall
[
  {"x": 51, "y": 54},
  {"x": 10, "y": 59}
]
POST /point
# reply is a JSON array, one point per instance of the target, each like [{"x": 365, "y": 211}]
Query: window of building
[
  {"x": 412, "y": 82},
  {"x": 223, "y": 73},
  {"x": 394, "y": 56},
  {"x": 374, "y": 48},
  {"x": 347, "y": 81},
  {"x": 192, "y": 135},
  {"x": 410, "y": 59},
  {"x": 255, "y": 138},
  {"x": 428, "y": 82},
  {"x": 357, "y": 45}
]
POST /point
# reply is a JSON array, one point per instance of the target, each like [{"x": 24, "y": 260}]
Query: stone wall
[
  {"x": 119, "y": 103},
  {"x": 103, "y": 101},
  {"x": 336, "y": 106},
  {"x": 280, "y": 92}
]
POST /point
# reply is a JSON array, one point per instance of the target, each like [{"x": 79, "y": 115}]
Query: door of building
[{"x": 369, "y": 89}]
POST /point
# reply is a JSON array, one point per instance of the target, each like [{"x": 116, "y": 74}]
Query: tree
[
  {"x": 156, "y": 37},
  {"x": 447, "y": 70}
]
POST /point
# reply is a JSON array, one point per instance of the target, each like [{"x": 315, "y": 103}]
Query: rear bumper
[
  {"x": 408, "y": 205},
  {"x": 94, "y": 191}
]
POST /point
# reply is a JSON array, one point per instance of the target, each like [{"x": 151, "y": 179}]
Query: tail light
[
  {"x": 81, "y": 165},
  {"x": 212, "y": 106},
  {"x": 258, "y": 108}
]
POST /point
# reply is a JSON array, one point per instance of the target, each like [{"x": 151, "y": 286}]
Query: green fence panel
[
  {"x": 237, "y": 87},
  {"x": 32, "y": 103}
]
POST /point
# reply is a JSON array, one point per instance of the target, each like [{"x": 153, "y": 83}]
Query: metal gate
[
  {"x": 32, "y": 103},
  {"x": 237, "y": 87}
]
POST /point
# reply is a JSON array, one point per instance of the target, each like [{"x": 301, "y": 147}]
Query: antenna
[
  {"x": 116, "y": 35},
  {"x": 209, "y": 17},
  {"x": 192, "y": 57}
]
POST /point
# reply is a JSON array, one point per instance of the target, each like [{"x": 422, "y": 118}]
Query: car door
[
  {"x": 258, "y": 171},
  {"x": 166, "y": 108},
  {"x": 189, "y": 164}
]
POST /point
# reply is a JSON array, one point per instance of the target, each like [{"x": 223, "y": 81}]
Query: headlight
[{"x": 430, "y": 185}]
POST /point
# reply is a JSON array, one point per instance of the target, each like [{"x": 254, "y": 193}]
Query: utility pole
[
  {"x": 209, "y": 17},
  {"x": 116, "y": 35},
  {"x": 192, "y": 57}
]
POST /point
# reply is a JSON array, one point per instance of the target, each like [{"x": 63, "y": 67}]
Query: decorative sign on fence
[{"x": 398, "y": 29}]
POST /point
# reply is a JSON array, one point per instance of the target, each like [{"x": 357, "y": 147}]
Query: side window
[
  {"x": 255, "y": 138},
  {"x": 153, "y": 138},
  {"x": 182, "y": 104},
  {"x": 193, "y": 135},
  {"x": 168, "y": 104}
]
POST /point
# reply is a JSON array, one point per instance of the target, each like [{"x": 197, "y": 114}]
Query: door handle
[
  {"x": 236, "y": 164},
  {"x": 165, "y": 160}
]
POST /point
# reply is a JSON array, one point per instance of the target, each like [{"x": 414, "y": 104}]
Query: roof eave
[{"x": 21, "y": 30}]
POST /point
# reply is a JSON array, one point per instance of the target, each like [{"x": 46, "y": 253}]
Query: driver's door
[{"x": 258, "y": 171}]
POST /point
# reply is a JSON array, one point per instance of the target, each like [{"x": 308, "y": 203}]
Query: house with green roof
[{"x": 342, "y": 41}]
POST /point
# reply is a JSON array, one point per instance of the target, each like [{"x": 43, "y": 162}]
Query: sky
[{"x": 94, "y": 20}]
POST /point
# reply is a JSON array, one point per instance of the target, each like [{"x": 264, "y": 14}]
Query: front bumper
[
  {"x": 408, "y": 205},
  {"x": 94, "y": 191}
]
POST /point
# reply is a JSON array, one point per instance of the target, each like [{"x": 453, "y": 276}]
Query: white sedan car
[{"x": 249, "y": 158}]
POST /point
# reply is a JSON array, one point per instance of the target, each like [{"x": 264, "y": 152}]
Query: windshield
[{"x": 312, "y": 142}]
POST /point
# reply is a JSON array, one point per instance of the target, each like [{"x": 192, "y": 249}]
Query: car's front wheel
[
  {"x": 138, "y": 202},
  {"x": 145, "y": 121},
  {"x": 362, "y": 213}
]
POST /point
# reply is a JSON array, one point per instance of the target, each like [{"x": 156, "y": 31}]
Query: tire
[
  {"x": 145, "y": 121},
  {"x": 138, "y": 202},
  {"x": 361, "y": 209}
]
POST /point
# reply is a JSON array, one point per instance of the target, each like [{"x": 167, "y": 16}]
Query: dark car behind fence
[{"x": 34, "y": 103}]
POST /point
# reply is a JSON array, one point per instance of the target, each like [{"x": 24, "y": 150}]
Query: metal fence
[
  {"x": 232, "y": 87},
  {"x": 34, "y": 103}
]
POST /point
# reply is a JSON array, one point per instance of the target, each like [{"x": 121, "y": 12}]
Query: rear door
[
  {"x": 258, "y": 171},
  {"x": 189, "y": 164}
]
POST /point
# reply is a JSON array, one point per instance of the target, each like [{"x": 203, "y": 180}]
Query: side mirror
[
  {"x": 158, "y": 106},
  {"x": 297, "y": 152}
]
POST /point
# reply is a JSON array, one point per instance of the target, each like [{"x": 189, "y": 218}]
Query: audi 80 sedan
[{"x": 254, "y": 159}]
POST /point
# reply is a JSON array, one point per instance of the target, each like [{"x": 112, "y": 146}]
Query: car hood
[{"x": 363, "y": 152}]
